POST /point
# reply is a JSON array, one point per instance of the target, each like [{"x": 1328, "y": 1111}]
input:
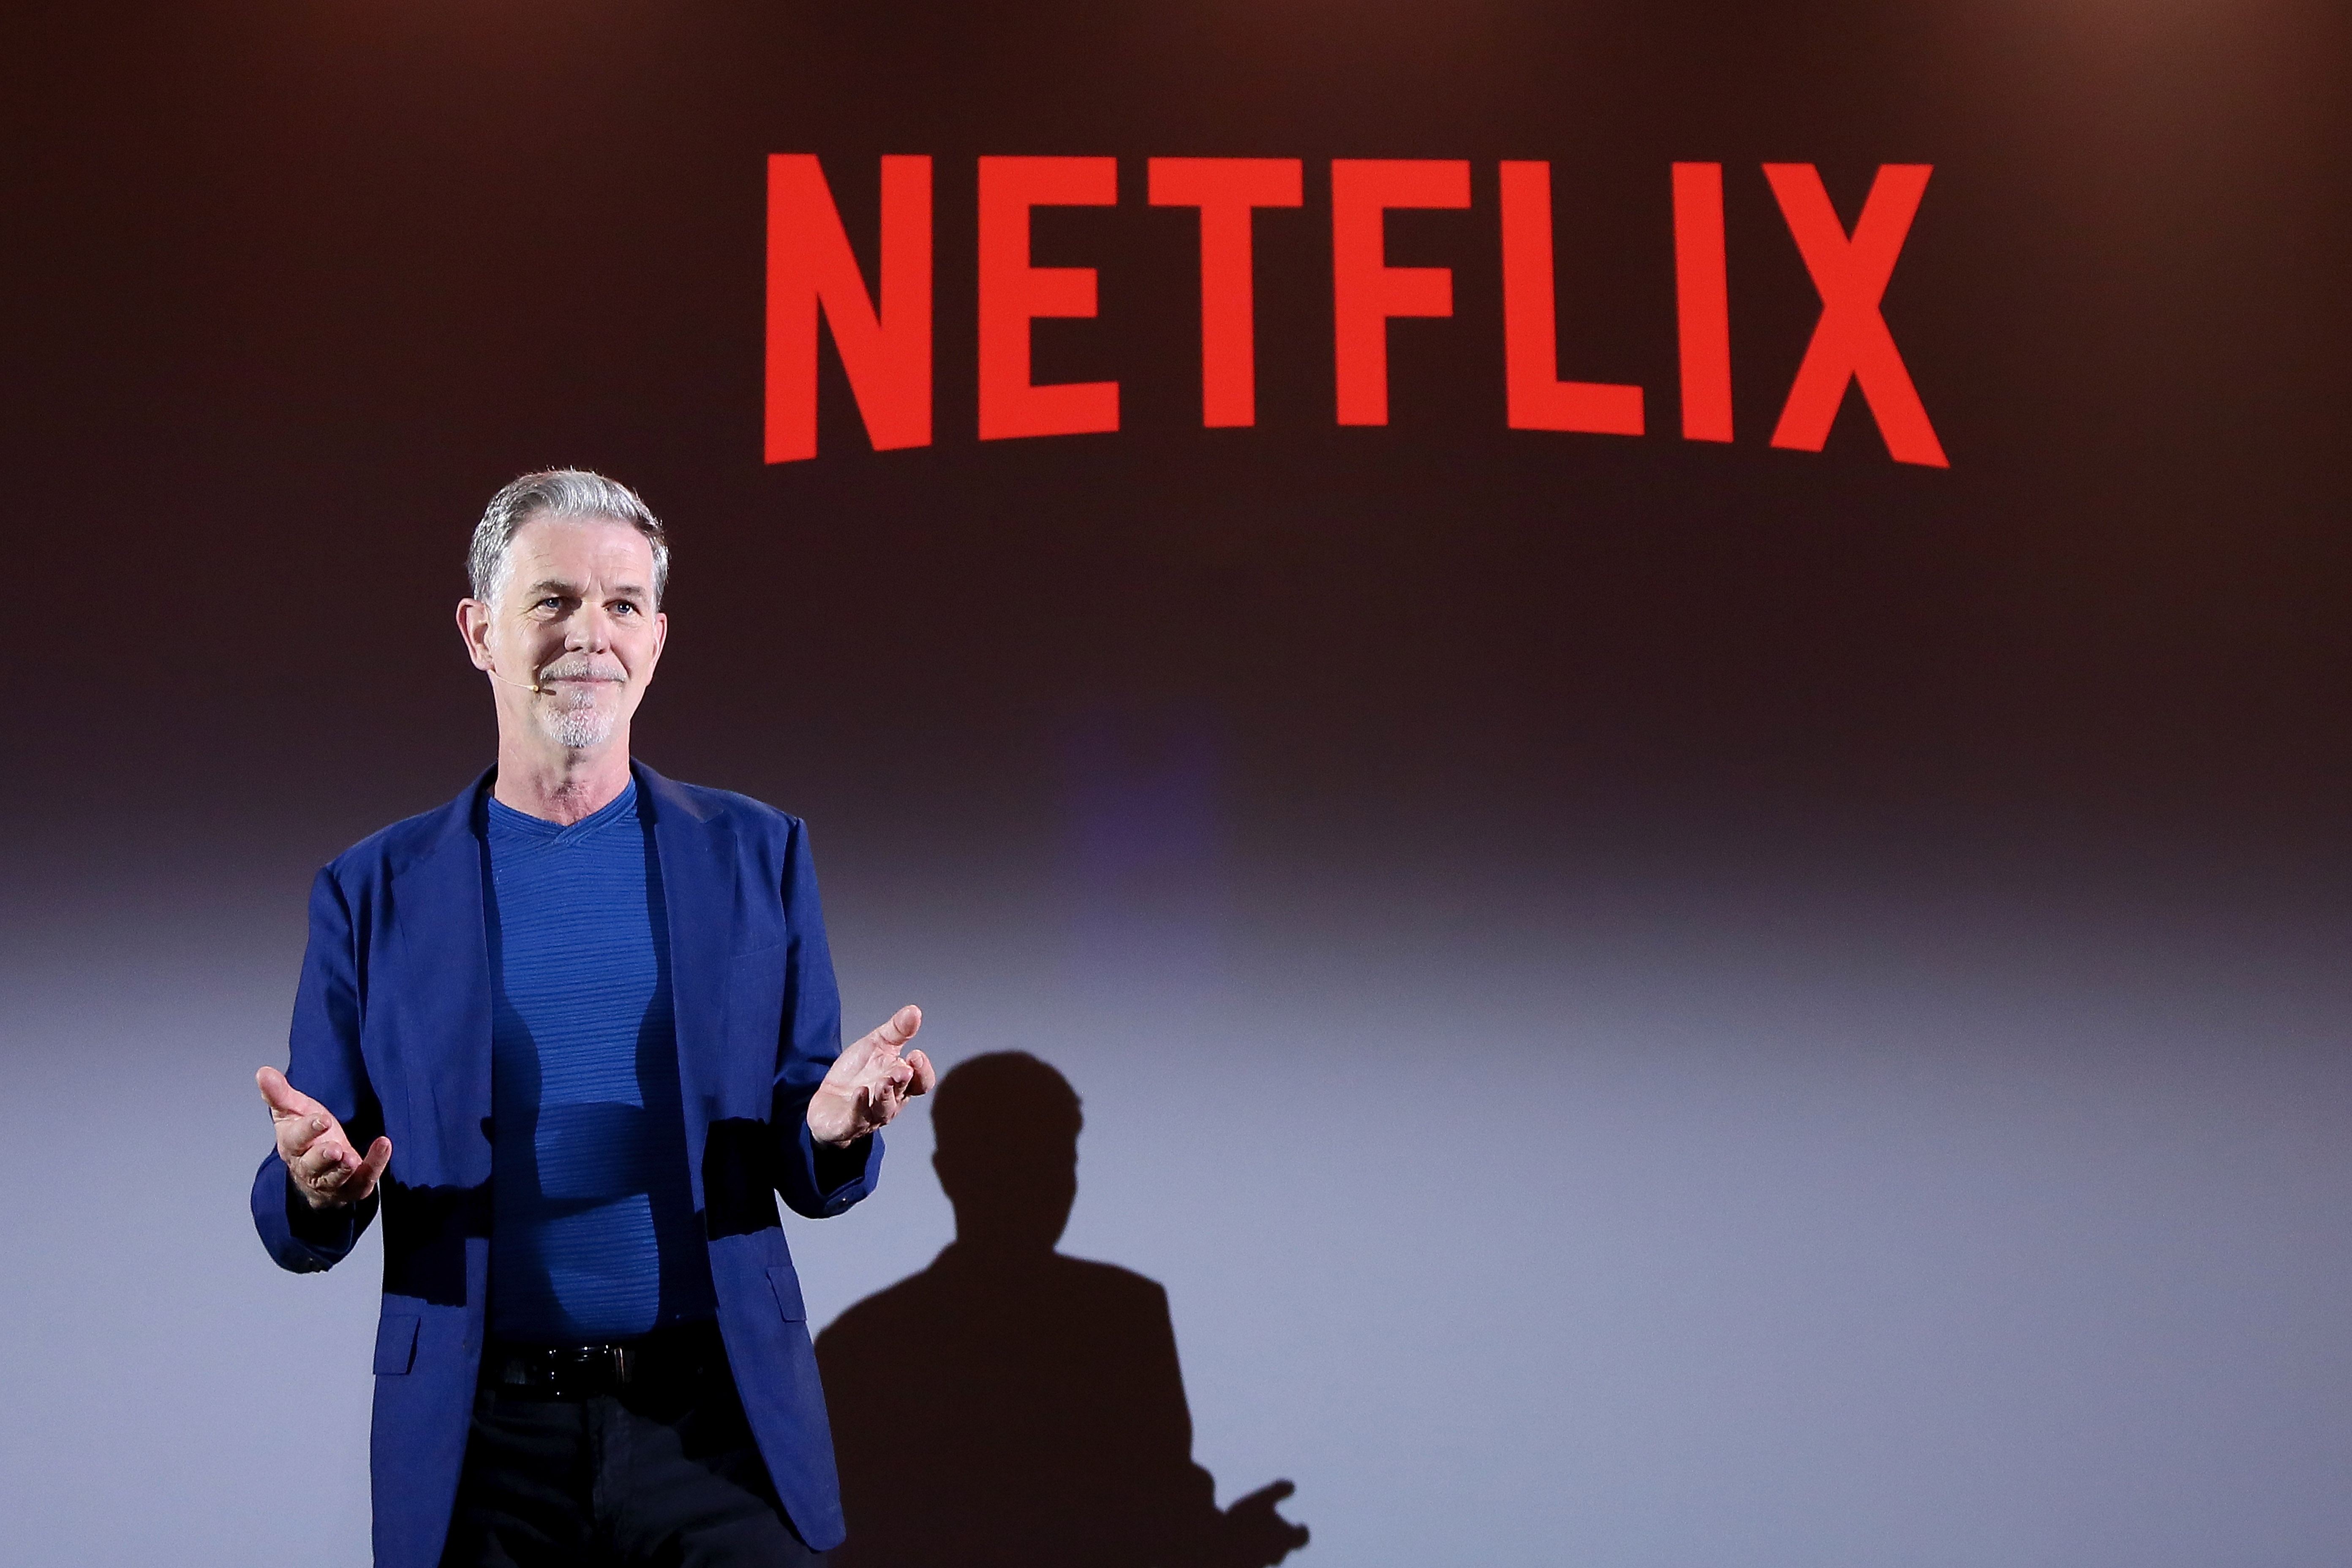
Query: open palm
[
  {"x": 327, "y": 1171},
  {"x": 870, "y": 1081}
]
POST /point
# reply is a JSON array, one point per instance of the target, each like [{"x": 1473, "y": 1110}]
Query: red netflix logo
[{"x": 884, "y": 335}]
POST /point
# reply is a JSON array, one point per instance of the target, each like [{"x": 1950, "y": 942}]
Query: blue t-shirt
[{"x": 593, "y": 1235}]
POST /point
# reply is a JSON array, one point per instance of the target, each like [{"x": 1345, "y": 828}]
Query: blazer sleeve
[
  {"x": 324, "y": 1063},
  {"x": 816, "y": 1180}
]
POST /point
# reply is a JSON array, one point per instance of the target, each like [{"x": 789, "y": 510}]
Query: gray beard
[{"x": 581, "y": 727}]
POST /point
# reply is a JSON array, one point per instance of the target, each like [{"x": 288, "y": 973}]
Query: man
[
  {"x": 1047, "y": 1419},
  {"x": 582, "y": 1021}
]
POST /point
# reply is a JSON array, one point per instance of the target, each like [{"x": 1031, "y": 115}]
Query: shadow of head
[
  {"x": 1006, "y": 1129},
  {"x": 1010, "y": 1406}
]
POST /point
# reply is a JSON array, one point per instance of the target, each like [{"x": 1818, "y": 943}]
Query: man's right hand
[{"x": 327, "y": 1171}]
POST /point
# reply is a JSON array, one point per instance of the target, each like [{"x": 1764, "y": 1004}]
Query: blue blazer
[{"x": 392, "y": 1033}]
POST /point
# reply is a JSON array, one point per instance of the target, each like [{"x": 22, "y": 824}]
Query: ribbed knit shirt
[{"x": 592, "y": 1226}]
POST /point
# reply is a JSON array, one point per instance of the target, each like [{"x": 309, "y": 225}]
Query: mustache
[{"x": 582, "y": 668}]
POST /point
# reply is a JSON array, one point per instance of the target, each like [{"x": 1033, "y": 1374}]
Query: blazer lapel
[
  {"x": 698, "y": 872},
  {"x": 447, "y": 946}
]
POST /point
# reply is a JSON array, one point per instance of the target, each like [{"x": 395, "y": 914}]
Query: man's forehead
[{"x": 566, "y": 546}]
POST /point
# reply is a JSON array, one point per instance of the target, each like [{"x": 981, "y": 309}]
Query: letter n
[{"x": 886, "y": 353}]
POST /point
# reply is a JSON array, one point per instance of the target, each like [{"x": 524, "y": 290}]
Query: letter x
[{"x": 1851, "y": 342}]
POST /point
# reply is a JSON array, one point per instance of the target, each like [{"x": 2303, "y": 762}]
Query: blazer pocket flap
[
  {"x": 785, "y": 1281},
  {"x": 396, "y": 1345}
]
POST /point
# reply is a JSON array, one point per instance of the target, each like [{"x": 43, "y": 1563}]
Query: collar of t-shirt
[{"x": 508, "y": 822}]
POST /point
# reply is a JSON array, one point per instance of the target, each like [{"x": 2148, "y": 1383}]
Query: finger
[
  {"x": 328, "y": 1159},
  {"x": 297, "y": 1119},
  {"x": 883, "y": 1075},
  {"x": 282, "y": 1097},
  {"x": 298, "y": 1135},
  {"x": 927, "y": 1077},
  {"x": 371, "y": 1170},
  {"x": 892, "y": 1037},
  {"x": 887, "y": 1102},
  {"x": 322, "y": 1180},
  {"x": 882, "y": 1103},
  {"x": 889, "y": 1089}
]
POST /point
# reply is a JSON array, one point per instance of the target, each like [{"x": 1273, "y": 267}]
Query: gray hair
[{"x": 558, "y": 492}]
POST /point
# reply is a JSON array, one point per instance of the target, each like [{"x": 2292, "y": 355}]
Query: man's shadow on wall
[{"x": 1011, "y": 1406}]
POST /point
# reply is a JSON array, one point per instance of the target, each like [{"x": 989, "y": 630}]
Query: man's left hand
[
  {"x": 1255, "y": 1535},
  {"x": 870, "y": 1081}
]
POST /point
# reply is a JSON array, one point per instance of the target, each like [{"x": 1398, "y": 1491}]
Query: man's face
[{"x": 575, "y": 616}]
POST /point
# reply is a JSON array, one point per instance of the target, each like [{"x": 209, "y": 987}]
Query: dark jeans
[{"x": 664, "y": 1474}]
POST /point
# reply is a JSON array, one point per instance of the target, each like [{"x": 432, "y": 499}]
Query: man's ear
[{"x": 474, "y": 628}]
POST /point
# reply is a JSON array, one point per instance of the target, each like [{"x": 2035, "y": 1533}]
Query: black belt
[{"x": 684, "y": 1354}]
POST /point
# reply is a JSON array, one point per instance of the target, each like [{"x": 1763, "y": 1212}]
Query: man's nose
[{"x": 589, "y": 630}]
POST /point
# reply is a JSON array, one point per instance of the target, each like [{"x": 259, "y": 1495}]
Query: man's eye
[
  {"x": 624, "y": 607},
  {"x": 550, "y": 603}
]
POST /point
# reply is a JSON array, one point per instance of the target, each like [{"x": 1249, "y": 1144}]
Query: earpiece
[{"x": 534, "y": 688}]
